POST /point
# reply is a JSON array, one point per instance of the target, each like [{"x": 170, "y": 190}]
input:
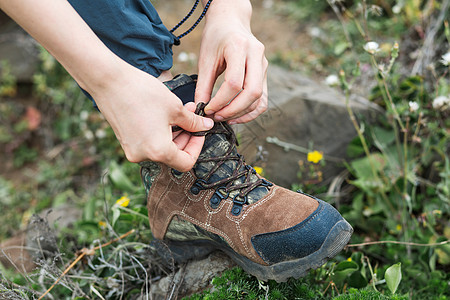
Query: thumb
[{"x": 191, "y": 122}]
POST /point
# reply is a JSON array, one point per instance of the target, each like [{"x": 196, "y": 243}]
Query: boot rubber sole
[{"x": 335, "y": 241}]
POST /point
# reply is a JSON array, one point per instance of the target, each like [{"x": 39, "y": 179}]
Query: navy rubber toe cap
[{"x": 300, "y": 240}]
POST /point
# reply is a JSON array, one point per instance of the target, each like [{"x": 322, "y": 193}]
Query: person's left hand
[{"x": 229, "y": 46}]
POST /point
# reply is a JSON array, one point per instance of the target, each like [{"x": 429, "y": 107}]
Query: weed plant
[{"x": 397, "y": 192}]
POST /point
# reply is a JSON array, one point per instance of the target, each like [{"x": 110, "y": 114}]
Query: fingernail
[
  {"x": 208, "y": 122},
  {"x": 208, "y": 111},
  {"x": 232, "y": 122},
  {"x": 218, "y": 118}
]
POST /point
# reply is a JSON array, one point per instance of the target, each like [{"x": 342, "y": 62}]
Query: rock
[
  {"x": 43, "y": 228},
  {"x": 18, "y": 48},
  {"x": 39, "y": 240},
  {"x": 14, "y": 254},
  {"x": 195, "y": 276},
  {"x": 301, "y": 112}
]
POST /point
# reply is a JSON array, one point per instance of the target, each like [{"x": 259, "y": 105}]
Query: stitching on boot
[
  {"x": 209, "y": 228},
  {"x": 243, "y": 242}
]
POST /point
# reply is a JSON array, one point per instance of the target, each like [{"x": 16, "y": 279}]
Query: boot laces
[{"x": 226, "y": 185}]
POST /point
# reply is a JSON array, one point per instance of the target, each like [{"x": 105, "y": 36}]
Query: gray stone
[
  {"x": 301, "y": 112},
  {"x": 194, "y": 277},
  {"x": 18, "y": 48}
]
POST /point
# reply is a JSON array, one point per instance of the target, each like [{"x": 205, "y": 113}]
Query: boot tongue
[{"x": 217, "y": 144}]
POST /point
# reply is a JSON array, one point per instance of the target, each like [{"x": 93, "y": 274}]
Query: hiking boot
[{"x": 223, "y": 204}]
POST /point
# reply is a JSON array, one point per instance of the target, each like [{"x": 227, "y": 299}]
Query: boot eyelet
[
  {"x": 217, "y": 197},
  {"x": 236, "y": 210},
  {"x": 238, "y": 202},
  {"x": 197, "y": 186},
  {"x": 195, "y": 190},
  {"x": 215, "y": 201},
  {"x": 177, "y": 173}
]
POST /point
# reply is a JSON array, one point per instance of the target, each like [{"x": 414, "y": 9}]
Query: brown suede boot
[{"x": 223, "y": 204}]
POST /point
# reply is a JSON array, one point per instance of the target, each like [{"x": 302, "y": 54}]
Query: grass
[{"x": 398, "y": 183}]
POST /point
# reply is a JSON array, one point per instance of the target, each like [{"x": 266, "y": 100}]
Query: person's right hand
[{"x": 142, "y": 111}]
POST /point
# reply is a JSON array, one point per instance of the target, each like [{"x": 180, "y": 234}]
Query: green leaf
[
  {"x": 340, "y": 48},
  {"x": 116, "y": 214},
  {"x": 119, "y": 179},
  {"x": 355, "y": 148},
  {"x": 343, "y": 270},
  {"x": 393, "y": 277}
]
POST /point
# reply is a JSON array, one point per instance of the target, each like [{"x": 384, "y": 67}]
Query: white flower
[
  {"x": 446, "y": 59},
  {"x": 315, "y": 32},
  {"x": 413, "y": 105},
  {"x": 84, "y": 115},
  {"x": 332, "y": 80},
  {"x": 441, "y": 101},
  {"x": 372, "y": 47},
  {"x": 397, "y": 9},
  {"x": 89, "y": 135},
  {"x": 267, "y": 4},
  {"x": 183, "y": 57},
  {"x": 100, "y": 133}
]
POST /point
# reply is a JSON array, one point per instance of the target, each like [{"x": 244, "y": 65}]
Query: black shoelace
[{"x": 205, "y": 9}]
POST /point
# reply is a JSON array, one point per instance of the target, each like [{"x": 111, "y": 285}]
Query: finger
[
  {"x": 184, "y": 160},
  {"x": 260, "y": 108},
  {"x": 182, "y": 139},
  {"x": 253, "y": 90},
  {"x": 207, "y": 75},
  {"x": 190, "y": 106},
  {"x": 233, "y": 81},
  {"x": 191, "y": 122}
]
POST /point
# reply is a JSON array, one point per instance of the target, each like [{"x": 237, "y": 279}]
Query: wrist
[
  {"x": 103, "y": 72},
  {"x": 229, "y": 11}
]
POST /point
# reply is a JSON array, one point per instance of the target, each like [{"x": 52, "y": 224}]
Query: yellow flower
[
  {"x": 315, "y": 156},
  {"x": 123, "y": 201},
  {"x": 259, "y": 170},
  {"x": 349, "y": 259},
  {"x": 399, "y": 227},
  {"x": 102, "y": 224}
]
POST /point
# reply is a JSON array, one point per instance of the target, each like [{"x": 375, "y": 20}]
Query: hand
[
  {"x": 229, "y": 46},
  {"x": 142, "y": 111},
  {"x": 139, "y": 108}
]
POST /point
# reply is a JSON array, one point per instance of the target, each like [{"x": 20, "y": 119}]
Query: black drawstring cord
[{"x": 177, "y": 38}]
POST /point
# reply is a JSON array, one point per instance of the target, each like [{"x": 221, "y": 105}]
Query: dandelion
[
  {"x": 413, "y": 105},
  {"x": 332, "y": 80},
  {"x": 441, "y": 101},
  {"x": 446, "y": 59},
  {"x": 102, "y": 224},
  {"x": 123, "y": 201},
  {"x": 372, "y": 47},
  {"x": 315, "y": 156},
  {"x": 399, "y": 227},
  {"x": 259, "y": 170}
]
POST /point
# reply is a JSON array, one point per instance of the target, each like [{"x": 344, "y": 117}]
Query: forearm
[{"x": 57, "y": 26}]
